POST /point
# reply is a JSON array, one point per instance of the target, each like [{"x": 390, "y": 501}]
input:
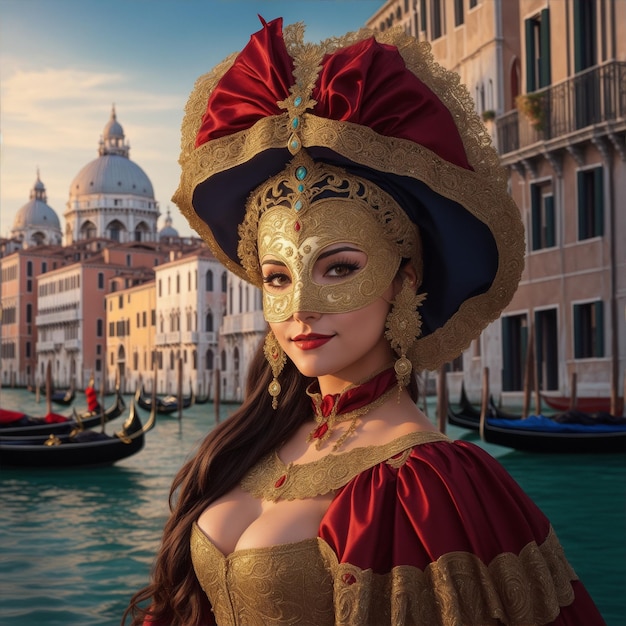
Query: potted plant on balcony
[
  {"x": 532, "y": 105},
  {"x": 489, "y": 115}
]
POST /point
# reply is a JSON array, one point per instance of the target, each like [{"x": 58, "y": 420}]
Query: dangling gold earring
[
  {"x": 277, "y": 359},
  {"x": 404, "y": 326}
]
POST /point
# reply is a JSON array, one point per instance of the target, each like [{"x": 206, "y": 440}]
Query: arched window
[
  {"x": 223, "y": 360},
  {"x": 209, "y": 359},
  {"x": 236, "y": 359},
  {"x": 209, "y": 322},
  {"x": 194, "y": 358},
  {"x": 172, "y": 359},
  {"x": 224, "y": 282},
  {"x": 209, "y": 281}
]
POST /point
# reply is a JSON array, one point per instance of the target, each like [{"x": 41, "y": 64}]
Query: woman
[{"x": 354, "y": 184}]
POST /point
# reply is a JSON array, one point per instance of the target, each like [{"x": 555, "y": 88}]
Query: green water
[{"x": 75, "y": 544}]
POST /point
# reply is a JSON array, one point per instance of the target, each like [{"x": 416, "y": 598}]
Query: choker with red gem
[{"x": 353, "y": 402}]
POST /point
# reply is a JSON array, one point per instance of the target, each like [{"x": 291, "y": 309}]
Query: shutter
[
  {"x": 582, "y": 209},
  {"x": 578, "y": 345},
  {"x": 599, "y": 334},
  {"x": 598, "y": 200},
  {"x": 579, "y": 61},
  {"x": 544, "y": 62},
  {"x": 550, "y": 222},
  {"x": 530, "y": 56},
  {"x": 535, "y": 216},
  {"x": 507, "y": 373}
]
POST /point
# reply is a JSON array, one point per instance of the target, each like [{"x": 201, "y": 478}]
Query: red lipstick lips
[{"x": 311, "y": 341}]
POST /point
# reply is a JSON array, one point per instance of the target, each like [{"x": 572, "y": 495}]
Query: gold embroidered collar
[{"x": 271, "y": 479}]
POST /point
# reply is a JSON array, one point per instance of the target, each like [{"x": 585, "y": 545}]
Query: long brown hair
[{"x": 174, "y": 595}]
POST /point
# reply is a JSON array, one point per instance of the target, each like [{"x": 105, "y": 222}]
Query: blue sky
[{"x": 64, "y": 63}]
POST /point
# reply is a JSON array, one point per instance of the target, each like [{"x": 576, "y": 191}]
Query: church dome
[
  {"x": 168, "y": 231},
  {"x": 112, "y": 172},
  {"x": 36, "y": 212}
]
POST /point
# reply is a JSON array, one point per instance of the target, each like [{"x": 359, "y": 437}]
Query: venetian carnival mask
[{"x": 306, "y": 209}]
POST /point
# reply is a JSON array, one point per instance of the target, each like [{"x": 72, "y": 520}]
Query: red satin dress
[{"x": 437, "y": 533}]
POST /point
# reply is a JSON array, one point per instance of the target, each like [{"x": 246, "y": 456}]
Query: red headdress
[{"x": 379, "y": 107}]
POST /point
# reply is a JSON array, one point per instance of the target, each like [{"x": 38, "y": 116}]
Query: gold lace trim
[
  {"x": 263, "y": 586},
  {"x": 483, "y": 191},
  {"x": 273, "y": 480}
]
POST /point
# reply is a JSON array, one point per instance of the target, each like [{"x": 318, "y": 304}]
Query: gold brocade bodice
[{"x": 284, "y": 584}]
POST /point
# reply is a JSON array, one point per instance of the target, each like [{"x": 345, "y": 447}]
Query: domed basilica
[
  {"x": 111, "y": 196},
  {"x": 36, "y": 223}
]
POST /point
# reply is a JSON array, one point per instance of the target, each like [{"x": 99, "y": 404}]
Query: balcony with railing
[{"x": 566, "y": 110}]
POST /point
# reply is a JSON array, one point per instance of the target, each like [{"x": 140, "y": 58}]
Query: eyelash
[
  {"x": 267, "y": 280},
  {"x": 344, "y": 264}
]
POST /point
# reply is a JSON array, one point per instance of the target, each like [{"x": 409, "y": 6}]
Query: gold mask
[{"x": 309, "y": 206}]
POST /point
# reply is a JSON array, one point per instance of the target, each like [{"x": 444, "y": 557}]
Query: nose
[{"x": 306, "y": 316}]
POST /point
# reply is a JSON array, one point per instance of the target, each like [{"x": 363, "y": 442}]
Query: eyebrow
[
  {"x": 323, "y": 255},
  {"x": 328, "y": 253}
]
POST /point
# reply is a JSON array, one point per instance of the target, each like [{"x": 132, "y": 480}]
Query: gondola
[
  {"x": 86, "y": 448},
  {"x": 468, "y": 416},
  {"x": 64, "y": 398},
  {"x": 24, "y": 425},
  {"x": 599, "y": 404},
  {"x": 572, "y": 431},
  {"x": 165, "y": 405}
]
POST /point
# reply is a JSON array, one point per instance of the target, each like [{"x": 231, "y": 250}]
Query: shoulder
[{"x": 448, "y": 495}]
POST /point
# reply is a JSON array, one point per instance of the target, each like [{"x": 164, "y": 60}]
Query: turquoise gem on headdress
[
  {"x": 297, "y": 205},
  {"x": 301, "y": 172},
  {"x": 297, "y": 101},
  {"x": 300, "y": 187},
  {"x": 295, "y": 122},
  {"x": 295, "y": 144}
]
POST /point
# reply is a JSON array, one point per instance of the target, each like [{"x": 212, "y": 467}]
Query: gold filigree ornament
[
  {"x": 404, "y": 324},
  {"x": 277, "y": 359}
]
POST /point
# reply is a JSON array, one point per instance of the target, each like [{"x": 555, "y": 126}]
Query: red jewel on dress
[
  {"x": 281, "y": 481},
  {"x": 320, "y": 431},
  {"x": 296, "y": 226}
]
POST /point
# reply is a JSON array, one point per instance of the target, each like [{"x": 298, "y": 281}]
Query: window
[
  {"x": 29, "y": 268},
  {"x": 209, "y": 281},
  {"x": 437, "y": 30},
  {"x": 459, "y": 18},
  {"x": 585, "y": 42},
  {"x": 111, "y": 329},
  {"x": 98, "y": 365},
  {"x": 423, "y": 16},
  {"x": 224, "y": 282},
  {"x": 29, "y": 285},
  {"x": 589, "y": 330},
  {"x": 590, "y": 203},
  {"x": 100, "y": 280},
  {"x": 209, "y": 322},
  {"x": 542, "y": 216},
  {"x": 120, "y": 302},
  {"x": 99, "y": 327},
  {"x": 223, "y": 360},
  {"x": 44, "y": 267},
  {"x": 514, "y": 345},
  {"x": 177, "y": 283},
  {"x": 159, "y": 287},
  {"x": 28, "y": 349},
  {"x": 29, "y": 313},
  {"x": 472, "y": 3},
  {"x": 209, "y": 359},
  {"x": 538, "y": 72}
]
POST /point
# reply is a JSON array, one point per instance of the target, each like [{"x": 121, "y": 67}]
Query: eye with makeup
[
  {"x": 275, "y": 275},
  {"x": 339, "y": 263}
]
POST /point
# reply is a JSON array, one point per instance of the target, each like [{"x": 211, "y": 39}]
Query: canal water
[{"x": 75, "y": 544}]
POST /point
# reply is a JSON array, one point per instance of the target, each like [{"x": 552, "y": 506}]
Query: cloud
[{"x": 52, "y": 119}]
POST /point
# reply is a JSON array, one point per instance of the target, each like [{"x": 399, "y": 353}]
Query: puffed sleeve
[{"x": 442, "y": 534}]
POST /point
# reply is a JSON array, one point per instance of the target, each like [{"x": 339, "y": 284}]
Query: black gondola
[
  {"x": 64, "y": 398},
  {"x": 87, "y": 448},
  {"x": 30, "y": 426},
  {"x": 165, "y": 405},
  {"x": 567, "y": 432}
]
